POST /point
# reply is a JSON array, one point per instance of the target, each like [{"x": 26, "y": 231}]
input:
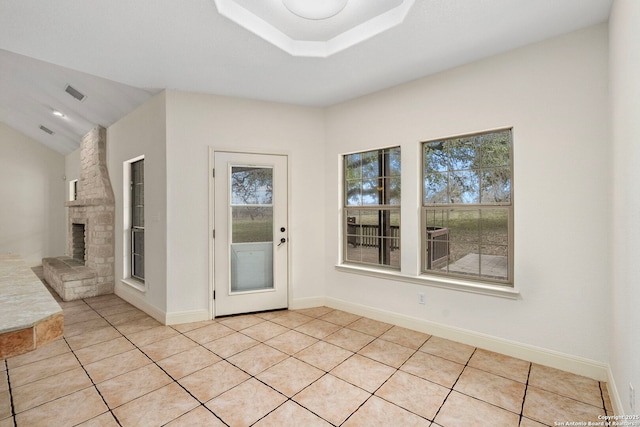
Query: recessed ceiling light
[
  {"x": 58, "y": 113},
  {"x": 314, "y": 9}
]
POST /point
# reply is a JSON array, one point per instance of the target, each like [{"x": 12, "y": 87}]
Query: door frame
[{"x": 210, "y": 231}]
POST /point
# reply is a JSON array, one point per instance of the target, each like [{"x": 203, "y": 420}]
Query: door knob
[{"x": 282, "y": 241}]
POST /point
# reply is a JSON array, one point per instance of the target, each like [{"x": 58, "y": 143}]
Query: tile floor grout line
[
  {"x": 308, "y": 409},
  {"x": 174, "y": 380},
  {"x": 60, "y": 397},
  {"x": 454, "y": 384},
  {"x": 341, "y": 327},
  {"x": 93, "y": 384},
  {"x": 14, "y": 414},
  {"x": 224, "y": 359},
  {"x": 262, "y": 342},
  {"x": 277, "y": 391},
  {"x": 484, "y": 401},
  {"x": 125, "y": 337},
  {"x": 239, "y": 331},
  {"x": 397, "y": 369},
  {"x": 13, "y": 410},
  {"x": 604, "y": 405},
  {"x": 307, "y": 386},
  {"x": 181, "y": 386},
  {"x": 304, "y": 407},
  {"x": 524, "y": 397},
  {"x": 450, "y": 389},
  {"x": 251, "y": 376},
  {"x": 564, "y": 396},
  {"x": 371, "y": 394}
]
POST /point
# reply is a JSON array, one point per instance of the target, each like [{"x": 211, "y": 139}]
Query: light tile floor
[{"x": 313, "y": 367}]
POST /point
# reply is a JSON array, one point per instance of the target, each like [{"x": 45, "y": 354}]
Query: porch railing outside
[{"x": 367, "y": 235}]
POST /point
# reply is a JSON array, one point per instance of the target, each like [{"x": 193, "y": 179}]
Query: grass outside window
[{"x": 467, "y": 214}]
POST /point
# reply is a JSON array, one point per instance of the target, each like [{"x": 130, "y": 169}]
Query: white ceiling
[{"x": 120, "y": 52}]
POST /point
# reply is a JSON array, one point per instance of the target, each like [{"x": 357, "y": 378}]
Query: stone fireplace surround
[{"x": 95, "y": 209}]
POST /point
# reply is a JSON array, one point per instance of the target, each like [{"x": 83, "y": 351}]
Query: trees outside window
[
  {"x": 467, "y": 214},
  {"x": 372, "y": 207}
]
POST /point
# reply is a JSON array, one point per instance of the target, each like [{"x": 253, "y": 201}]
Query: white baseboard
[
  {"x": 132, "y": 296},
  {"x": 301, "y": 303},
  {"x": 618, "y": 408},
  {"x": 554, "y": 359},
  {"x": 176, "y": 318}
]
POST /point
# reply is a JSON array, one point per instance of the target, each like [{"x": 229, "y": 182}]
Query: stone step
[{"x": 71, "y": 279}]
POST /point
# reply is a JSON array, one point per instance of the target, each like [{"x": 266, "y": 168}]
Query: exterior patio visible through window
[
  {"x": 372, "y": 208},
  {"x": 467, "y": 214}
]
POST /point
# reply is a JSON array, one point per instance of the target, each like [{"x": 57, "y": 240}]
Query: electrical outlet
[
  {"x": 421, "y": 298},
  {"x": 632, "y": 398}
]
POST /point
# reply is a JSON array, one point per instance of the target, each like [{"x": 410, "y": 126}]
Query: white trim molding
[
  {"x": 178, "y": 317},
  {"x": 133, "y": 296},
  {"x": 438, "y": 282},
  {"x": 300, "y": 303},
  {"x": 554, "y": 359},
  {"x": 616, "y": 402}
]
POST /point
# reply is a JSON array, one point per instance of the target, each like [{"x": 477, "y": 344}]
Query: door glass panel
[
  {"x": 251, "y": 185},
  {"x": 251, "y": 220},
  {"x": 251, "y": 224}
]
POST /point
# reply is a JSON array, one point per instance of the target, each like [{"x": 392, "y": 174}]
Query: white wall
[
  {"x": 71, "y": 168},
  {"x": 196, "y": 122},
  {"x": 143, "y": 132},
  {"x": 32, "y": 214},
  {"x": 71, "y": 172},
  {"x": 625, "y": 123},
  {"x": 554, "y": 94}
]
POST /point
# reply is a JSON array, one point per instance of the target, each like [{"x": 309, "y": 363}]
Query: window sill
[
  {"x": 135, "y": 284},
  {"x": 438, "y": 282}
]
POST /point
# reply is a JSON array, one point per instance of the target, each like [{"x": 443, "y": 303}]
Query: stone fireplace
[{"x": 89, "y": 267}]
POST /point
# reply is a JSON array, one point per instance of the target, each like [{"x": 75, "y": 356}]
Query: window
[
  {"x": 467, "y": 213},
  {"x": 372, "y": 208},
  {"x": 137, "y": 219},
  {"x": 73, "y": 190}
]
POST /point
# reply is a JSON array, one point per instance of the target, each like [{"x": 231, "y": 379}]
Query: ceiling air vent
[
  {"x": 47, "y": 130},
  {"x": 75, "y": 93}
]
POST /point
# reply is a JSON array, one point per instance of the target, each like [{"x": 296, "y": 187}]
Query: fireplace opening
[{"x": 78, "y": 242}]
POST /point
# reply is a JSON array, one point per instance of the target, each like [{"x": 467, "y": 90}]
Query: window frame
[
  {"x": 460, "y": 207},
  {"x": 347, "y": 238},
  {"x": 137, "y": 229},
  {"x": 73, "y": 190},
  {"x": 128, "y": 277}
]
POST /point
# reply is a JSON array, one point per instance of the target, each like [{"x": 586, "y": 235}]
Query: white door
[{"x": 251, "y": 233}]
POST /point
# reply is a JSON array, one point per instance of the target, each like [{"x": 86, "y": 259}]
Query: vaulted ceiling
[{"x": 121, "y": 52}]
